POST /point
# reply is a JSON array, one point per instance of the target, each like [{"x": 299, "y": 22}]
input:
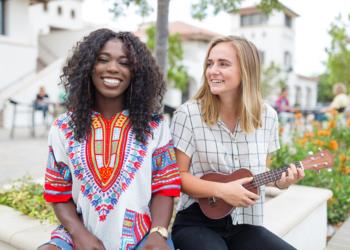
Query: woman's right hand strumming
[{"x": 235, "y": 194}]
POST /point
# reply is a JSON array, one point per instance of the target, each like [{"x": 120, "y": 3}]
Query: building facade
[{"x": 274, "y": 36}]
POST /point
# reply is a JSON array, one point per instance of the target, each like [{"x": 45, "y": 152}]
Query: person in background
[
  {"x": 284, "y": 110},
  {"x": 341, "y": 99},
  {"x": 112, "y": 174},
  {"x": 41, "y": 101},
  {"x": 226, "y": 127}
]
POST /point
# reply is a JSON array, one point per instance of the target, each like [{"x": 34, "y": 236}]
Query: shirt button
[{"x": 236, "y": 158}]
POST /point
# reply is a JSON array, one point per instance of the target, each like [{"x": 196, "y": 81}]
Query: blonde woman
[
  {"x": 226, "y": 127},
  {"x": 340, "y": 100}
]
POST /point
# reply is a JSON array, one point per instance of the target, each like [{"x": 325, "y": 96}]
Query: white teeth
[
  {"x": 216, "y": 81},
  {"x": 111, "y": 82}
]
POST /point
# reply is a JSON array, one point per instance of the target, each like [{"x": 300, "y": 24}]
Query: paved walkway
[
  {"x": 25, "y": 155},
  {"x": 341, "y": 239},
  {"x": 4, "y": 246},
  {"x": 22, "y": 155}
]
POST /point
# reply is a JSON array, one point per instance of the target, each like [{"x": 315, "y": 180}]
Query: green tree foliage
[
  {"x": 199, "y": 11},
  {"x": 324, "y": 89},
  {"x": 338, "y": 62},
  {"x": 176, "y": 73},
  {"x": 271, "y": 78},
  {"x": 201, "y": 8}
]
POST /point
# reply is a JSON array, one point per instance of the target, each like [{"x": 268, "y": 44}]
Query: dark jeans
[
  {"x": 192, "y": 230},
  {"x": 41, "y": 106}
]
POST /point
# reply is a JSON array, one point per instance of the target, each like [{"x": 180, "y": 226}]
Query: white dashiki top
[{"x": 111, "y": 176}]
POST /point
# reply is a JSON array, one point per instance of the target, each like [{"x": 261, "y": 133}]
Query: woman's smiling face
[{"x": 111, "y": 74}]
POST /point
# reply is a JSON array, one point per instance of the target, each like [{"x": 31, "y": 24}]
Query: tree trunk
[{"x": 162, "y": 35}]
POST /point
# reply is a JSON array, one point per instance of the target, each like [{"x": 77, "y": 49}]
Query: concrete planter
[{"x": 298, "y": 215}]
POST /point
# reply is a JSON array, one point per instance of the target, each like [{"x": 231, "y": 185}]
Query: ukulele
[{"x": 215, "y": 208}]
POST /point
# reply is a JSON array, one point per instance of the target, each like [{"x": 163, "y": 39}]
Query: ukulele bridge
[{"x": 212, "y": 201}]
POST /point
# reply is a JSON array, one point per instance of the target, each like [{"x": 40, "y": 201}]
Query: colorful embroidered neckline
[{"x": 106, "y": 148}]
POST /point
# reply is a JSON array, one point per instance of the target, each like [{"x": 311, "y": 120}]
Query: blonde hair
[
  {"x": 339, "y": 88},
  {"x": 250, "y": 101}
]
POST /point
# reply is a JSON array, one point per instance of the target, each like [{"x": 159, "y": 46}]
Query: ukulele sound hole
[{"x": 212, "y": 201}]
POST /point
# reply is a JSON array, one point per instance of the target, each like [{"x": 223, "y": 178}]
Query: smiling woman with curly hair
[
  {"x": 111, "y": 174},
  {"x": 143, "y": 96}
]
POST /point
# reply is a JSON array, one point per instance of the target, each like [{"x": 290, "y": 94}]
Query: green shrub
[
  {"x": 337, "y": 140},
  {"x": 27, "y": 197}
]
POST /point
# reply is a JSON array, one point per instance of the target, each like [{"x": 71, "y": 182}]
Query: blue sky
[{"x": 311, "y": 26}]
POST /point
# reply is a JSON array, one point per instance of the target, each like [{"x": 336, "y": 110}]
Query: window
[
  {"x": 288, "y": 21},
  {"x": 253, "y": 19},
  {"x": 2, "y": 17},
  {"x": 59, "y": 10},
  {"x": 287, "y": 61},
  {"x": 72, "y": 14}
]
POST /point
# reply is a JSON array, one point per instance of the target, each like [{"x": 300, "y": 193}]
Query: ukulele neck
[{"x": 272, "y": 175}]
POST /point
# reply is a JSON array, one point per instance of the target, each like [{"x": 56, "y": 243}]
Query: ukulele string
[{"x": 267, "y": 177}]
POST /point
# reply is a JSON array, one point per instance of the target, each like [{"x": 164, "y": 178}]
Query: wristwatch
[{"x": 161, "y": 230}]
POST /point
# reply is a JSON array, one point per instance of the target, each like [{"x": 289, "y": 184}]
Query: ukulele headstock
[{"x": 323, "y": 159}]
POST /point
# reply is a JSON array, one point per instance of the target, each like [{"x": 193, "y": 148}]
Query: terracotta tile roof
[
  {"x": 187, "y": 32},
  {"x": 255, "y": 9},
  {"x": 309, "y": 78}
]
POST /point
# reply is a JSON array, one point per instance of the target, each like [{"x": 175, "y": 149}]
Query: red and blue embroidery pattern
[
  {"x": 58, "y": 180},
  {"x": 135, "y": 227},
  {"x": 106, "y": 149},
  {"x": 165, "y": 174},
  {"x": 98, "y": 162}
]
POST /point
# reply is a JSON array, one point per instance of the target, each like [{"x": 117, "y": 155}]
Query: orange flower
[
  {"x": 331, "y": 124},
  {"x": 345, "y": 170},
  {"x": 348, "y": 122},
  {"x": 333, "y": 144},
  {"x": 302, "y": 141},
  {"x": 324, "y": 132},
  {"x": 318, "y": 143},
  {"x": 342, "y": 158},
  {"x": 298, "y": 115},
  {"x": 334, "y": 112},
  {"x": 281, "y": 130},
  {"x": 308, "y": 134}
]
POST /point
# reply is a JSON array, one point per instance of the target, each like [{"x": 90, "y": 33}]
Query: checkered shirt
[{"x": 216, "y": 149}]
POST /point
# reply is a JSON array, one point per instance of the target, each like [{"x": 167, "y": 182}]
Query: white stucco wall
[
  {"x": 194, "y": 54},
  {"x": 273, "y": 38},
  {"x": 17, "y": 60},
  {"x": 57, "y": 44},
  {"x": 43, "y": 20},
  {"x": 17, "y": 49},
  {"x": 307, "y": 95},
  {"x": 26, "y": 91},
  {"x": 17, "y": 25}
]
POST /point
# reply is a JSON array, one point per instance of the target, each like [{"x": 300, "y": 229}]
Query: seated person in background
[
  {"x": 340, "y": 100},
  {"x": 41, "y": 101},
  {"x": 282, "y": 106}
]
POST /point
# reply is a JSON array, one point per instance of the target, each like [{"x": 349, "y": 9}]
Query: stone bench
[{"x": 298, "y": 215}]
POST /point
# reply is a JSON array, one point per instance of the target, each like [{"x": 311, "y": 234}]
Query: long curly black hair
[{"x": 143, "y": 97}]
